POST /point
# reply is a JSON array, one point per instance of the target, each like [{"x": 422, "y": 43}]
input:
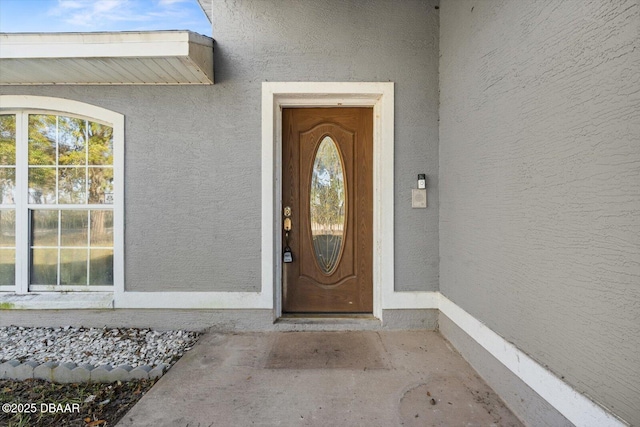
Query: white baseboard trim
[
  {"x": 410, "y": 300},
  {"x": 573, "y": 405}
]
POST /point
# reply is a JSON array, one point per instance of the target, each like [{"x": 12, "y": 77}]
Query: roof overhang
[{"x": 110, "y": 58}]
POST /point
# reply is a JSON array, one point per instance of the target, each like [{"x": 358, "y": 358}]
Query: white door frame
[{"x": 278, "y": 95}]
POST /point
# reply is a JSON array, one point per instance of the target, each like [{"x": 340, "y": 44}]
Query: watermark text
[{"x": 33, "y": 408}]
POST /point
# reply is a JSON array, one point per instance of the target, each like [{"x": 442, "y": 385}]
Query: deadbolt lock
[{"x": 287, "y": 218}]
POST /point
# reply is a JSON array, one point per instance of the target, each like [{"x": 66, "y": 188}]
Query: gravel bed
[{"x": 120, "y": 346}]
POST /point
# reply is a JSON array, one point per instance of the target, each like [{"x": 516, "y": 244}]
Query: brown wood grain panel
[{"x": 349, "y": 287}]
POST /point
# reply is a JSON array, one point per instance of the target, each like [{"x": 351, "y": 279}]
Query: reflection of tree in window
[
  {"x": 7, "y": 246},
  {"x": 70, "y": 162},
  {"x": 42, "y": 152},
  {"x": 7, "y": 194},
  {"x": 327, "y": 204},
  {"x": 7, "y": 158},
  {"x": 71, "y": 157}
]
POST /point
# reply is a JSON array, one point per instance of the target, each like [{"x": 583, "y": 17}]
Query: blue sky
[{"x": 102, "y": 15}]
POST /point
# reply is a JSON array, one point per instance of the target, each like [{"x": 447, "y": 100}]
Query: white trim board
[
  {"x": 411, "y": 300},
  {"x": 573, "y": 405}
]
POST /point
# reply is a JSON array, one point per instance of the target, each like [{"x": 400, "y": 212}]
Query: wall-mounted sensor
[{"x": 422, "y": 181}]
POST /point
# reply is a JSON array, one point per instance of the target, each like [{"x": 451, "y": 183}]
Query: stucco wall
[
  {"x": 334, "y": 40},
  {"x": 525, "y": 403},
  {"x": 192, "y": 220},
  {"x": 540, "y": 183},
  {"x": 193, "y": 154}
]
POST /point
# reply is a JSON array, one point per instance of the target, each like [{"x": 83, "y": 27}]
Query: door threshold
[
  {"x": 327, "y": 316},
  {"x": 327, "y": 322}
]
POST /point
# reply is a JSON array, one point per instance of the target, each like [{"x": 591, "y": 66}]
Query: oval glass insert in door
[{"x": 328, "y": 208}]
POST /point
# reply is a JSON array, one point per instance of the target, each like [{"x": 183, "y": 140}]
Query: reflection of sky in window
[
  {"x": 7, "y": 194},
  {"x": 49, "y": 130},
  {"x": 323, "y": 178}
]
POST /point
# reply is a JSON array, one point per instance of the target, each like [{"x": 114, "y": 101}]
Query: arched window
[{"x": 60, "y": 195}]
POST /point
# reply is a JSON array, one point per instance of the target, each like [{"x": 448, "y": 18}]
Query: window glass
[
  {"x": 72, "y": 135},
  {"x": 80, "y": 242},
  {"x": 43, "y": 134},
  {"x": 7, "y": 159},
  {"x": 100, "y": 144},
  {"x": 7, "y": 247},
  {"x": 7, "y": 140},
  {"x": 44, "y": 228},
  {"x": 44, "y": 266},
  {"x": 7, "y": 267},
  {"x": 42, "y": 185},
  {"x": 72, "y": 185},
  {"x": 100, "y": 185},
  {"x": 7, "y": 199},
  {"x": 101, "y": 229},
  {"x": 74, "y": 228},
  {"x": 70, "y": 163},
  {"x": 68, "y": 208},
  {"x": 101, "y": 267},
  {"x": 327, "y": 200},
  {"x": 73, "y": 266},
  {"x": 7, "y": 228}
]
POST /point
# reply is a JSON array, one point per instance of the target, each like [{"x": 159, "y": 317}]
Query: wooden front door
[{"x": 327, "y": 194}]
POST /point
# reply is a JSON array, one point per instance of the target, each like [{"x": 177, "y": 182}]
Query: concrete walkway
[{"x": 365, "y": 378}]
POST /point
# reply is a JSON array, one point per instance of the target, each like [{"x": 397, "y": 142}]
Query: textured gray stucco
[
  {"x": 540, "y": 183},
  {"x": 192, "y": 222},
  {"x": 410, "y": 319},
  {"x": 193, "y": 154},
  {"x": 334, "y": 40},
  {"x": 525, "y": 403}
]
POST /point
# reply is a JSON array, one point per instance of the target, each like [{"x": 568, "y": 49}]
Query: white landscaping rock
[{"x": 94, "y": 346}]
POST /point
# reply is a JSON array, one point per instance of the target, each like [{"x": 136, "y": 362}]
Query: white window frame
[{"x": 19, "y": 104}]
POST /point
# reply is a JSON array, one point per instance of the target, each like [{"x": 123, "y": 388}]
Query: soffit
[
  {"x": 108, "y": 58},
  {"x": 207, "y": 6}
]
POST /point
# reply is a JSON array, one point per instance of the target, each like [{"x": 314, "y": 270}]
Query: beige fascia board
[{"x": 99, "y": 45}]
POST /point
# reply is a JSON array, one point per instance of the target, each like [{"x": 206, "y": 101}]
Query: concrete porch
[{"x": 355, "y": 378}]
